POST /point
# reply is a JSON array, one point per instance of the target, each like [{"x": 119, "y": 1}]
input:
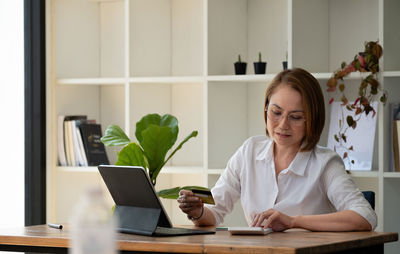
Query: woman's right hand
[{"x": 190, "y": 204}]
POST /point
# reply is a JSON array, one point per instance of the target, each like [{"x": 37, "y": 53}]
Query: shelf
[
  {"x": 269, "y": 77},
  {"x": 157, "y": 80},
  {"x": 182, "y": 170},
  {"x": 215, "y": 171},
  {"x": 242, "y": 78},
  {"x": 391, "y": 174},
  {"x": 166, "y": 170},
  {"x": 91, "y": 81},
  {"x": 200, "y": 79},
  {"x": 328, "y": 75},
  {"x": 78, "y": 169},
  {"x": 121, "y": 81},
  {"x": 364, "y": 173},
  {"x": 388, "y": 74}
]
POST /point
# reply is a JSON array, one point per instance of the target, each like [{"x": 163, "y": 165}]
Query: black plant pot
[
  {"x": 240, "y": 68},
  {"x": 284, "y": 64},
  {"x": 260, "y": 67}
]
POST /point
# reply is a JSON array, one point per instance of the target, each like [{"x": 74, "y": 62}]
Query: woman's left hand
[{"x": 273, "y": 219}]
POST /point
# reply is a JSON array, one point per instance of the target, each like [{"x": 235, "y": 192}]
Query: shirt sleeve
[
  {"x": 227, "y": 189},
  {"x": 342, "y": 191}
]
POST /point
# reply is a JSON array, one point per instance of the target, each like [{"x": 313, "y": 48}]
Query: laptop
[{"x": 138, "y": 207}]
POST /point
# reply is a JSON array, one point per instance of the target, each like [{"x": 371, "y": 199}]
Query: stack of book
[
  {"x": 396, "y": 136},
  {"x": 79, "y": 142}
]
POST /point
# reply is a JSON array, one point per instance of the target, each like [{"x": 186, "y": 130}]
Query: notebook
[{"x": 138, "y": 207}]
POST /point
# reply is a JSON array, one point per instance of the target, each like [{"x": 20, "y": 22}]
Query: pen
[{"x": 57, "y": 226}]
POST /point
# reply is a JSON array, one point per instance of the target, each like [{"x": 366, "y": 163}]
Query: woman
[{"x": 284, "y": 180}]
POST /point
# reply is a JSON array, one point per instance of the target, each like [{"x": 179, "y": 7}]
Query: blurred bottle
[{"x": 93, "y": 226}]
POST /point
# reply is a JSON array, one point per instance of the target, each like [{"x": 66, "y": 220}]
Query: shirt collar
[
  {"x": 265, "y": 151},
  {"x": 298, "y": 165}
]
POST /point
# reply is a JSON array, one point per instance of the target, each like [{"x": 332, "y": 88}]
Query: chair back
[{"x": 370, "y": 197}]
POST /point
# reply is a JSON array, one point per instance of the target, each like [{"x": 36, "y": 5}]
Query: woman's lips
[{"x": 282, "y": 135}]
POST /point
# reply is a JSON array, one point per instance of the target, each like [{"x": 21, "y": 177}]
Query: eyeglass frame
[{"x": 291, "y": 121}]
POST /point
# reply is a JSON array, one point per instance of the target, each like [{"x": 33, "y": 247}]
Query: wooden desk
[{"x": 44, "y": 239}]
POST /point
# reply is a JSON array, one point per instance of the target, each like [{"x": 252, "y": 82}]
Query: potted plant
[
  {"x": 284, "y": 63},
  {"x": 156, "y": 135},
  {"x": 366, "y": 61},
  {"x": 260, "y": 66},
  {"x": 240, "y": 67}
]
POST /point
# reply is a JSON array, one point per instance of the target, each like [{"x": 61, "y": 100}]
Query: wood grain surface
[{"x": 292, "y": 241}]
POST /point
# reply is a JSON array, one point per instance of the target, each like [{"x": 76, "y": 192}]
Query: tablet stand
[{"x": 137, "y": 220}]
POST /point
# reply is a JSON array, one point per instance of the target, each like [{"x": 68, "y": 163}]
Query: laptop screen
[{"x": 130, "y": 186}]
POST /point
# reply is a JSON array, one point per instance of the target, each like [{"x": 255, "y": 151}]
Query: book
[
  {"x": 94, "y": 148},
  {"x": 70, "y": 140},
  {"x": 362, "y": 138},
  {"x": 77, "y": 143},
  {"x": 62, "y": 159},
  {"x": 81, "y": 148},
  {"x": 395, "y": 139}
]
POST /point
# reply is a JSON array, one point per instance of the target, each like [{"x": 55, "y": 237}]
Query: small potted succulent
[
  {"x": 260, "y": 66},
  {"x": 284, "y": 63},
  {"x": 240, "y": 67}
]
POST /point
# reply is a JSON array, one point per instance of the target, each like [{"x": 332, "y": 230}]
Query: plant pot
[
  {"x": 284, "y": 64},
  {"x": 240, "y": 68},
  {"x": 260, "y": 67}
]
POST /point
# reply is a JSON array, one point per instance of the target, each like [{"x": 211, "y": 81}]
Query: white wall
[{"x": 11, "y": 113}]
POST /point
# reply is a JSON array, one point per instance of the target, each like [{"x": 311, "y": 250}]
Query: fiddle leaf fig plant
[
  {"x": 369, "y": 89},
  {"x": 156, "y": 135}
]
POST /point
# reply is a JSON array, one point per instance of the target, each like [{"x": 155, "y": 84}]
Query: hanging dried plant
[{"x": 367, "y": 61}]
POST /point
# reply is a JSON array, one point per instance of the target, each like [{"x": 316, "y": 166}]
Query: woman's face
[{"x": 285, "y": 117}]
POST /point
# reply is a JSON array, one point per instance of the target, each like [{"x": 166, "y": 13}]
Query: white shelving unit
[{"x": 116, "y": 61}]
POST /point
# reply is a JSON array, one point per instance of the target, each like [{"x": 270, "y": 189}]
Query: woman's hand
[
  {"x": 190, "y": 204},
  {"x": 273, "y": 219}
]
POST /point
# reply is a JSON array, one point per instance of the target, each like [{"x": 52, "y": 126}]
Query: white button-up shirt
[{"x": 314, "y": 183}]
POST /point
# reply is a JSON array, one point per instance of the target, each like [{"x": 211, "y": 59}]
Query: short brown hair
[{"x": 313, "y": 102}]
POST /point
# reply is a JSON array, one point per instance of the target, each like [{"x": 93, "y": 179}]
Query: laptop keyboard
[{"x": 164, "y": 231}]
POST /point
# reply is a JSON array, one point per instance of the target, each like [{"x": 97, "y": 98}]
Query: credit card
[{"x": 204, "y": 195}]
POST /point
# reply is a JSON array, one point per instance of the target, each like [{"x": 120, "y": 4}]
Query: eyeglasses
[{"x": 276, "y": 115}]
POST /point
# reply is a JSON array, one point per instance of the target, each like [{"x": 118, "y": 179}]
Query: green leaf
[
  {"x": 131, "y": 155},
  {"x": 191, "y": 135},
  {"x": 336, "y": 138},
  {"x": 144, "y": 123},
  {"x": 172, "y": 122},
  {"x": 115, "y": 136},
  {"x": 173, "y": 193},
  {"x": 156, "y": 143},
  {"x": 156, "y": 119}
]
